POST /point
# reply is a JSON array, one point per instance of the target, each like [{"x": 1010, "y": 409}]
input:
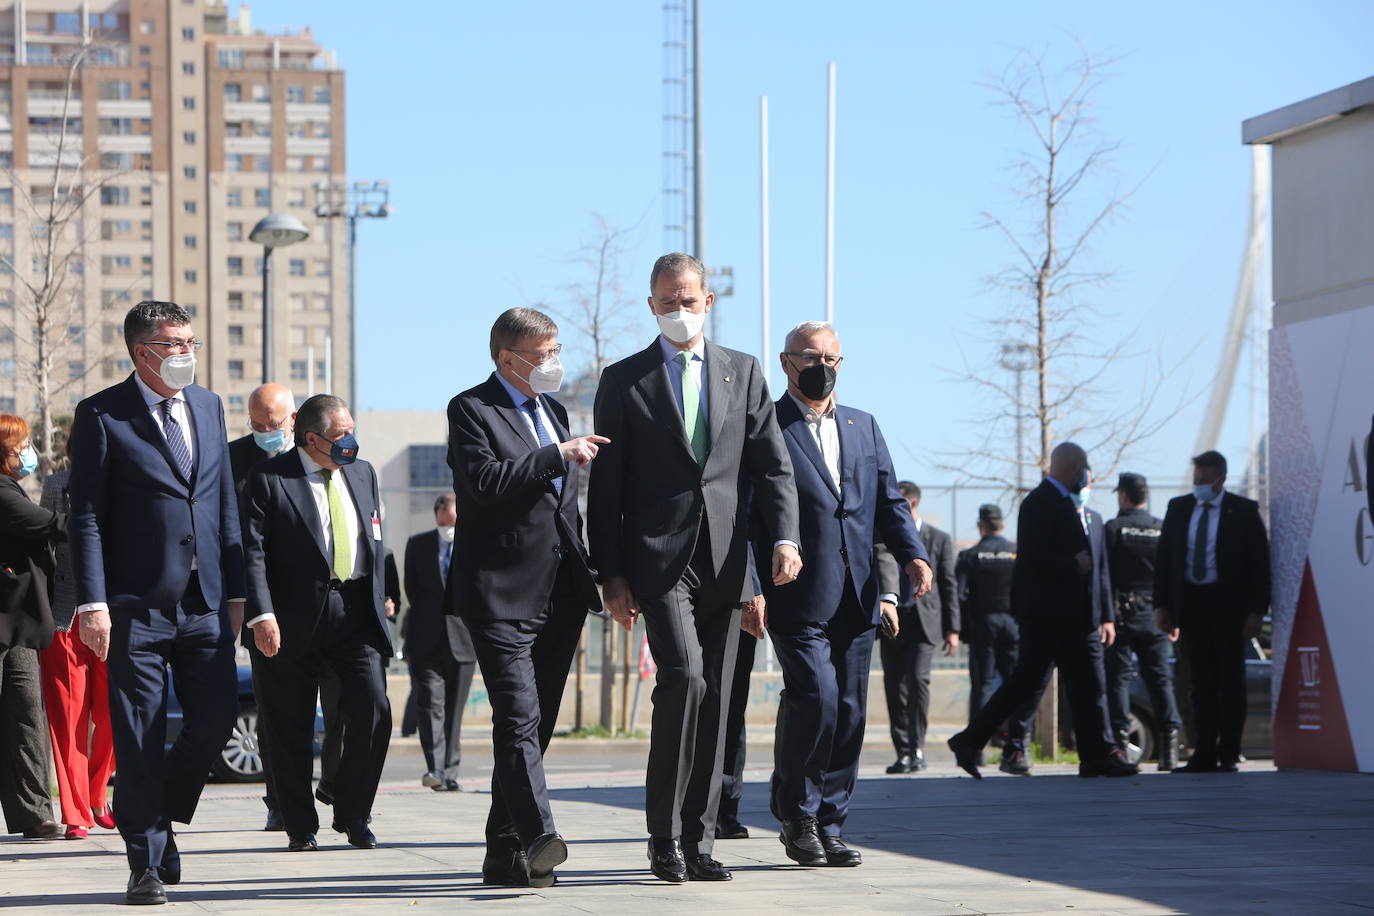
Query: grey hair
[
  {"x": 678, "y": 263},
  {"x": 513, "y": 325},
  {"x": 142, "y": 321},
  {"x": 314, "y": 415},
  {"x": 807, "y": 329}
]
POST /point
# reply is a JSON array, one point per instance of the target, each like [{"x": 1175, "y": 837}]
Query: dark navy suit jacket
[
  {"x": 136, "y": 522},
  {"x": 837, "y": 532}
]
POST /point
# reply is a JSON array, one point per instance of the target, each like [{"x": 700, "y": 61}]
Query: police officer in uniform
[
  {"x": 984, "y": 576},
  {"x": 1132, "y": 541}
]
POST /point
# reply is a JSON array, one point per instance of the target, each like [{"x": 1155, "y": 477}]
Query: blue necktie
[
  {"x": 542, "y": 435},
  {"x": 445, "y": 559},
  {"x": 175, "y": 440}
]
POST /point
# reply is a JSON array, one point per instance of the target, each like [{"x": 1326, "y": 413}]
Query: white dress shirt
[
  {"x": 518, "y": 399},
  {"x": 1213, "y": 518},
  {"x": 826, "y": 433},
  {"x": 321, "y": 496}
]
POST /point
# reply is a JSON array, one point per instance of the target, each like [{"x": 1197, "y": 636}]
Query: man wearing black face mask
[
  {"x": 823, "y": 625},
  {"x": 314, "y": 558}
]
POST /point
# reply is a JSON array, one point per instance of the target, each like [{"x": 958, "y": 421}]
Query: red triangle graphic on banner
[{"x": 1310, "y": 728}]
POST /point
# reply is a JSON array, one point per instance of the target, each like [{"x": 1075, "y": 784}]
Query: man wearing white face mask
[
  {"x": 519, "y": 576},
  {"x": 438, "y": 649},
  {"x": 157, "y": 555}
]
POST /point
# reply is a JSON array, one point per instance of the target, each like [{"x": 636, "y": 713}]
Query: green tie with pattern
[
  {"x": 338, "y": 527},
  {"x": 691, "y": 409}
]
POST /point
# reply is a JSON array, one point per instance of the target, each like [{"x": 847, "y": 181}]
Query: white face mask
[
  {"x": 178, "y": 370},
  {"x": 545, "y": 378},
  {"x": 681, "y": 326},
  {"x": 446, "y": 533}
]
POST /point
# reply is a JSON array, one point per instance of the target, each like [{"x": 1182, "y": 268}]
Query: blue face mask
[
  {"x": 28, "y": 462},
  {"x": 272, "y": 443},
  {"x": 344, "y": 450},
  {"x": 1080, "y": 499},
  {"x": 1082, "y": 481},
  {"x": 1204, "y": 492}
]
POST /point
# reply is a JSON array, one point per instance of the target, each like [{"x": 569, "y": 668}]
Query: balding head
[
  {"x": 1068, "y": 461},
  {"x": 271, "y": 408}
]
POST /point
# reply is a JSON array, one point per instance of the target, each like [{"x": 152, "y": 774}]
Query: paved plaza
[{"x": 1260, "y": 841}]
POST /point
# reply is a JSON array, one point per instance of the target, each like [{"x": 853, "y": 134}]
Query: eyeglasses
[
  {"x": 550, "y": 353},
  {"x": 811, "y": 359},
  {"x": 192, "y": 344},
  {"x": 267, "y": 427}
]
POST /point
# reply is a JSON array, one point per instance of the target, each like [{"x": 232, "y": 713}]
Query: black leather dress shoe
[
  {"x": 965, "y": 754},
  {"x": 801, "y": 841},
  {"x": 1197, "y": 766},
  {"x": 1015, "y": 762},
  {"x": 544, "y": 855},
  {"x": 731, "y": 829},
  {"x": 666, "y": 861},
  {"x": 918, "y": 761},
  {"x": 44, "y": 830},
  {"x": 704, "y": 868},
  {"x": 905, "y": 764},
  {"x": 304, "y": 842},
  {"x": 450, "y": 785},
  {"x": 170, "y": 870},
  {"x": 505, "y": 868},
  {"x": 274, "y": 821},
  {"x": 359, "y": 834},
  {"x": 1114, "y": 764},
  {"x": 839, "y": 855},
  {"x": 1228, "y": 767},
  {"x": 145, "y": 889}
]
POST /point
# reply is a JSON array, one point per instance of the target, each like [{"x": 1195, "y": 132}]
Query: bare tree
[
  {"x": 49, "y": 316},
  {"x": 1065, "y": 196}
]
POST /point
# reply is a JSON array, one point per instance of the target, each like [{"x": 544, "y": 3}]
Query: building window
[
  {"x": 189, "y": 206},
  {"x": 295, "y": 163},
  {"x": 321, "y": 95},
  {"x": 295, "y": 93},
  {"x": 76, "y": 368},
  {"x": 234, "y": 231},
  {"x": 236, "y": 403},
  {"x": 6, "y": 196},
  {"x": 189, "y": 275},
  {"x": 321, "y": 267},
  {"x": 262, "y": 163},
  {"x": 116, "y": 90},
  {"x": 7, "y": 367},
  {"x": 234, "y": 198},
  {"x": 116, "y": 127},
  {"x": 146, "y": 230},
  {"x": 230, "y": 58},
  {"x": 236, "y": 368},
  {"x": 233, "y": 128},
  {"x": 117, "y": 162},
  {"x": 262, "y": 128},
  {"x": 235, "y": 302},
  {"x": 7, "y": 405},
  {"x": 262, "y": 197},
  {"x": 188, "y": 68},
  {"x": 258, "y": 264},
  {"x": 6, "y": 230},
  {"x": 296, "y": 302},
  {"x": 233, "y": 162},
  {"x": 233, "y": 92},
  {"x": 321, "y": 163},
  {"x": 236, "y": 335},
  {"x": 189, "y": 241},
  {"x": 147, "y": 262},
  {"x": 429, "y": 467},
  {"x": 298, "y": 368},
  {"x": 67, "y": 23},
  {"x": 295, "y": 197},
  {"x": 189, "y": 171},
  {"x": 188, "y": 137},
  {"x": 235, "y": 267},
  {"x": 297, "y": 267},
  {"x": 114, "y": 197},
  {"x": 188, "y": 34},
  {"x": 188, "y": 103},
  {"x": 262, "y": 92},
  {"x": 295, "y": 129}
]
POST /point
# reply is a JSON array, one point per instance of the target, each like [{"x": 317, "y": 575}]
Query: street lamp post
[
  {"x": 276, "y": 230},
  {"x": 361, "y": 200}
]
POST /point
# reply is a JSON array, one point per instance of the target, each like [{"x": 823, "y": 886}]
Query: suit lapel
[
  {"x": 560, "y": 434},
  {"x": 360, "y": 488},
  {"x": 297, "y": 488},
  {"x": 721, "y": 380},
  {"x": 849, "y": 444},
  {"x": 198, "y": 408},
  {"x": 144, "y": 424},
  {"x": 501, "y": 401},
  {"x": 657, "y": 391},
  {"x": 794, "y": 424}
]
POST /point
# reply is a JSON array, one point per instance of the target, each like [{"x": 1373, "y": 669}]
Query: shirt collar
[
  {"x": 151, "y": 397},
  {"x": 517, "y": 397},
  {"x": 670, "y": 351},
  {"x": 809, "y": 415},
  {"x": 1063, "y": 490},
  {"x": 310, "y": 465},
  {"x": 1214, "y": 501}
]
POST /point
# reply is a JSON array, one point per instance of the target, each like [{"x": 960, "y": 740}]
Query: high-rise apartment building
[{"x": 187, "y": 127}]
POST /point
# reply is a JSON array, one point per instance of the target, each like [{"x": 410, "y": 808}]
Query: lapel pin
[
  {"x": 850, "y": 422},
  {"x": 727, "y": 378}
]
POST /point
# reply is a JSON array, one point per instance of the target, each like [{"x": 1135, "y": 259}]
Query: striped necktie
[
  {"x": 176, "y": 440},
  {"x": 542, "y": 434}
]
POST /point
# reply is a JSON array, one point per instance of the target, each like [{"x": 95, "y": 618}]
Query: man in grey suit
[
  {"x": 692, "y": 431},
  {"x": 923, "y": 623},
  {"x": 438, "y": 649}
]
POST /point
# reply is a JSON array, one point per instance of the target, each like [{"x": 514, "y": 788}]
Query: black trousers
[
  {"x": 693, "y": 633},
  {"x": 525, "y": 668},
  {"x": 269, "y": 794},
  {"x": 332, "y": 739},
  {"x": 1139, "y": 637},
  {"x": 1077, "y": 650},
  {"x": 1212, "y": 634},
  {"x": 732, "y": 775},
  {"x": 342, "y": 646},
  {"x": 820, "y": 730},
  {"x": 440, "y": 685},
  {"x": 906, "y": 662},
  {"x": 157, "y": 786},
  {"x": 24, "y": 747},
  {"x": 993, "y": 654}
]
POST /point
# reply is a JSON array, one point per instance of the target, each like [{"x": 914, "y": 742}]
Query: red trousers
[{"x": 77, "y": 697}]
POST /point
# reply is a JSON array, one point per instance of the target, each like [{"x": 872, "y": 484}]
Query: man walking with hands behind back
[
  {"x": 157, "y": 554},
  {"x": 690, "y": 428}
]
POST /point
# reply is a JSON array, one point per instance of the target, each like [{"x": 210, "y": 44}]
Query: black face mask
[{"x": 816, "y": 382}]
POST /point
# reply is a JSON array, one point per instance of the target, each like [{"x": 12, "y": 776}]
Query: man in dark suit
[
  {"x": 691, "y": 430},
  {"x": 823, "y": 625},
  {"x": 1212, "y": 588},
  {"x": 519, "y": 577},
  {"x": 315, "y": 595},
  {"x": 1061, "y": 594},
  {"x": 924, "y": 623},
  {"x": 438, "y": 649},
  {"x": 157, "y": 554},
  {"x": 271, "y": 410}
]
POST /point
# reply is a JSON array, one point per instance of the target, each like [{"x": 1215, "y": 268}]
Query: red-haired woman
[
  {"x": 77, "y": 695},
  {"x": 27, "y": 534}
]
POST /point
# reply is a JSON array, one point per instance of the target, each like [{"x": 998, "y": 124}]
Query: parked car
[
  {"x": 1256, "y": 741},
  {"x": 241, "y": 759}
]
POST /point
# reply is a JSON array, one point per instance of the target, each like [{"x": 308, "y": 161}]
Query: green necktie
[
  {"x": 691, "y": 409},
  {"x": 338, "y": 527},
  {"x": 1200, "y": 546}
]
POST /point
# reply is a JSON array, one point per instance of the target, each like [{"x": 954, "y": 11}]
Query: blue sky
[{"x": 503, "y": 128}]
